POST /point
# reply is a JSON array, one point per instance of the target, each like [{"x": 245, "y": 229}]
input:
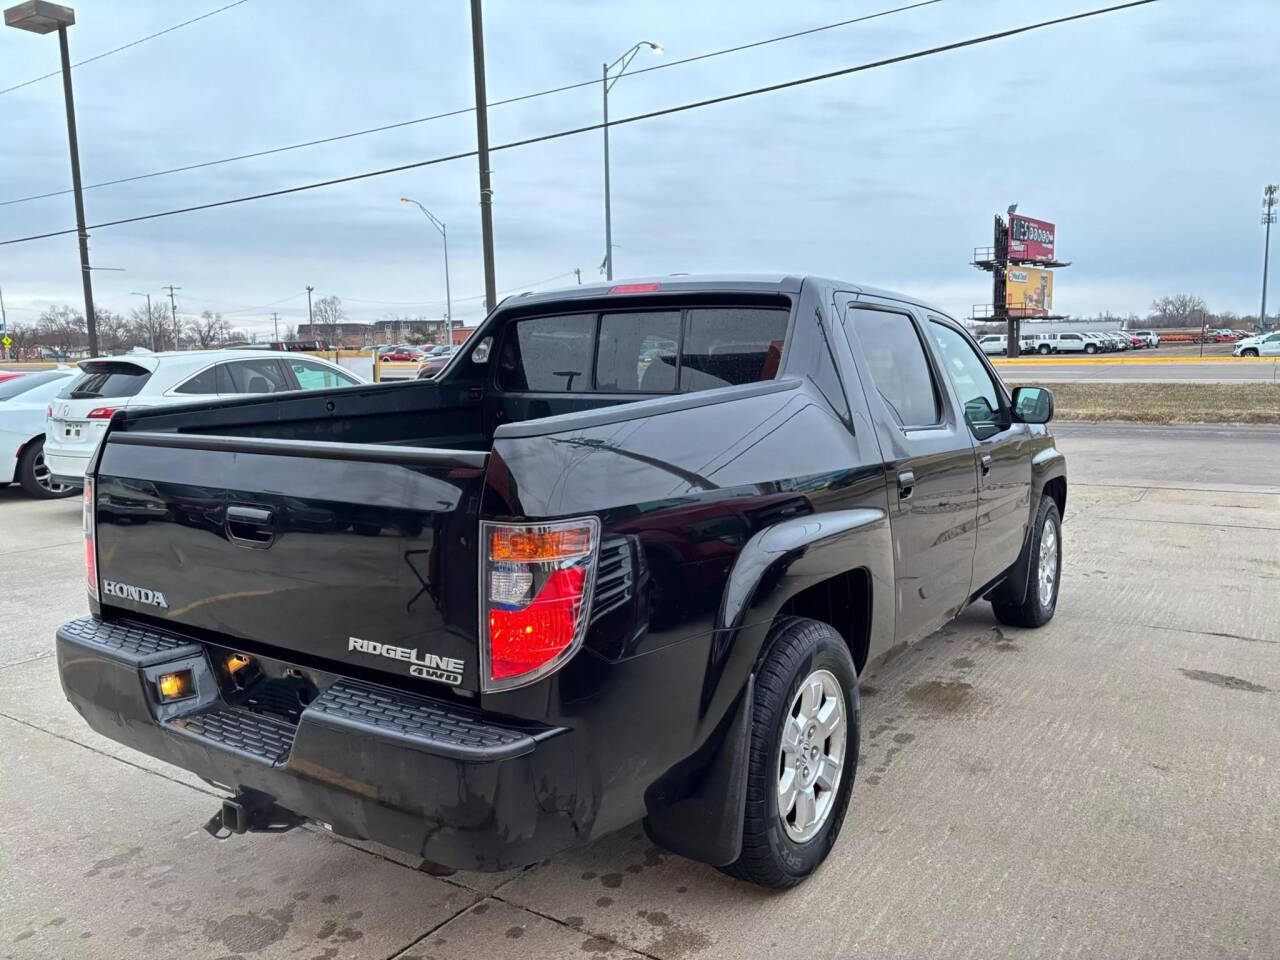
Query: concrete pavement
[{"x": 1102, "y": 787}]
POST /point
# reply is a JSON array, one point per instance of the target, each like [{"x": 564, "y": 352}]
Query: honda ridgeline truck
[{"x": 624, "y": 558}]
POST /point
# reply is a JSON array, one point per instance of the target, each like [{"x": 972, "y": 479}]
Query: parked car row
[
  {"x": 996, "y": 344},
  {"x": 52, "y": 420}
]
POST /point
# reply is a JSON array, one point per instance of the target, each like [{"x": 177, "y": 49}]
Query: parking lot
[{"x": 1103, "y": 787}]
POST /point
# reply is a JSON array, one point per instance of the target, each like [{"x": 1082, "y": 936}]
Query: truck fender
[
  {"x": 1048, "y": 464},
  {"x": 697, "y": 808}
]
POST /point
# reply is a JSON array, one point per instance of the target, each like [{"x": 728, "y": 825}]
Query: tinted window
[
  {"x": 548, "y": 353},
  {"x": 204, "y": 382},
  {"x": 638, "y": 351},
  {"x": 731, "y": 345},
  {"x": 256, "y": 376},
  {"x": 979, "y": 395},
  {"x": 898, "y": 366},
  {"x": 20, "y": 385},
  {"x": 107, "y": 379},
  {"x": 316, "y": 376}
]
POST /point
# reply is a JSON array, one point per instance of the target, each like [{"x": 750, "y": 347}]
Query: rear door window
[
  {"x": 256, "y": 376},
  {"x": 108, "y": 379},
  {"x": 899, "y": 369},
  {"x": 204, "y": 382},
  {"x": 316, "y": 376}
]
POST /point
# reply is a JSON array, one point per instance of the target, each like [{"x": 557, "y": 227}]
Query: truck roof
[{"x": 689, "y": 282}]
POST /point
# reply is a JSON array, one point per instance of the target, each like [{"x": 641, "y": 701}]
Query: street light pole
[
  {"x": 605, "y": 85},
  {"x": 482, "y": 155},
  {"x": 444, "y": 236},
  {"x": 39, "y": 16},
  {"x": 135, "y": 293}
]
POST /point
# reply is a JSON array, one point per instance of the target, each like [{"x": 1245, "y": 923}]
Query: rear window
[
  {"x": 650, "y": 351},
  {"x": 107, "y": 379},
  {"x": 20, "y": 385}
]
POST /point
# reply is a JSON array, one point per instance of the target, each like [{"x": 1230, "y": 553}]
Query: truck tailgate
[{"x": 359, "y": 554}]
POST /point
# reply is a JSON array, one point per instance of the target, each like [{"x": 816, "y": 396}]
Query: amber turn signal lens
[
  {"x": 237, "y": 662},
  {"x": 176, "y": 686},
  {"x": 525, "y": 545}
]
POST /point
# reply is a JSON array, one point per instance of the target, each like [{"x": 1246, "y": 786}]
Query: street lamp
[
  {"x": 135, "y": 293},
  {"x": 444, "y": 235},
  {"x": 38, "y": 16},
  {"x": 607, "y": 83}
]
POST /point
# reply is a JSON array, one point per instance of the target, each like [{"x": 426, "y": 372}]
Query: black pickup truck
[{"x": 623, "y": 559}]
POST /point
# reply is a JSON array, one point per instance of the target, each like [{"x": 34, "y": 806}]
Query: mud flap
[{"x": 698, "y": 809}]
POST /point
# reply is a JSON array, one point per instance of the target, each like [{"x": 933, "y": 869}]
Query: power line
[
  {"x": 132, "y": 43},
  {"x": 462, "y": 110},
  {"x": 681, "y": 108}
]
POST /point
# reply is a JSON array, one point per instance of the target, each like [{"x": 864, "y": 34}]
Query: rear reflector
[
  {"x": 535, "y": 582},
  {"x": 636, "y": 288},
  {"x": 90, "y": 539},
  {"x": 101, "y": 413}
]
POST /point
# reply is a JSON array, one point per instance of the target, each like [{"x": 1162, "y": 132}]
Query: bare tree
[
  {"x": 151, "y": 327},
  {"x": 113, "y": 331},
  {"x": 290, "y": 332},
  {"x": 328, "y": 314},
  {"x": 1179, "y": 310},
  {"x": 208, "y": 329},
  {"x": 62, "y": 328}
]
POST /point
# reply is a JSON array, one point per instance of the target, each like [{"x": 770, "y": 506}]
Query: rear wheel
[
  {"x": 1046, "y": 573},
  {"x": 1090, "y": 349},
  {"x": 804, "y": 753},
  {"x": 34, "y": 475},
  {"x": 1043, "y": 349}
]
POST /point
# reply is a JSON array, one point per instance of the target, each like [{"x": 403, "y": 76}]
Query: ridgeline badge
[{"x": 427, "y": 666}]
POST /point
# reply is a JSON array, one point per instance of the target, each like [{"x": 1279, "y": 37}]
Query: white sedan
[
  {"x": 80, "y": 413},
  {"x": 24, "y": 401}
]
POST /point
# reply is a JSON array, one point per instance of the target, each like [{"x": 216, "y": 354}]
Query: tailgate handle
[{"x": 252, "y": 526}]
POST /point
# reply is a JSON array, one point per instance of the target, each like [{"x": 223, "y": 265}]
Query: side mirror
[{"x": 1032, "y": 405}]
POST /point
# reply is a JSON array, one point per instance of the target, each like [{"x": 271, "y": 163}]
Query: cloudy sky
[{"x": 1146, "y": 135}]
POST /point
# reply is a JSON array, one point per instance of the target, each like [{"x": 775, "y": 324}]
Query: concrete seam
[
  {"x": 18, "y": 663},
  {"x": 47, "y": 546},
  {"x": 127, "y": 763},
  {"x": 561, "y": 923},
  {"x": 443, "y": 923}
]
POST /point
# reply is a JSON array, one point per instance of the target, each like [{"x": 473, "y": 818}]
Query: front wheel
[
  {"x": 1041, "y": 601},
  {"x": 34, "y": 475},
  {"x": 1044, "y": 350},
  {"x": 804, "y": 753},
  {"x": 1091, "y": 349},
  {"x": 1248, "y": 353}
]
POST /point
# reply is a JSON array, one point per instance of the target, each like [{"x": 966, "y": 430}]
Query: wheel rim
[
  {"x": 811, "y": 756},
  {"x": 44, "y": 479},
  {"x": 1047, "y": 575}
]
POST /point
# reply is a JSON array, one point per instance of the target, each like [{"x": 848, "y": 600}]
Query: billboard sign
[
  {"x": 1030, "y": 239},
  {"x": 1029, "y": 291}
]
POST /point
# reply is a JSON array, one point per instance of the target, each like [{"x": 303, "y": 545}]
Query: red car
[
  {"x": 10, "y": 374},
  {"x": 403, "y": 355}
]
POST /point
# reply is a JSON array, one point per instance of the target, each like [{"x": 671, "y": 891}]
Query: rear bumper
[
  {"x": 65, "y": 468},
  {"x": 428, "y": 778}
]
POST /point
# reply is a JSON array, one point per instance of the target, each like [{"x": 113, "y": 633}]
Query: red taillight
[
  {"x": 101, "y": 413},
  {"x": 536, "y": 582},
  {"x": 90, "y": 540},
  {"x": 636, "y": 288}
]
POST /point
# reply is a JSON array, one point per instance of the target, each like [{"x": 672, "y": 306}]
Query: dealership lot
[{"x": 1105, "y": 786}]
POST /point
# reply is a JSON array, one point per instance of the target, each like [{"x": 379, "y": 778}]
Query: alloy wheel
[{"x": 811, "y": 755}]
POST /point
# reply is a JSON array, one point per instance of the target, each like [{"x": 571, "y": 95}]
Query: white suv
[
  {"x": 1263, "y": 345},
  {"x": 77, "y": 418}
]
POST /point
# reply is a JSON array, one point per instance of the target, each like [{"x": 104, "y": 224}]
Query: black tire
[
  {"x": 796, "y": 649},
  {"x": 1090, "y": 348},
  {"x": 1034, "y": 611},
  {"x": 1248, "y": 353},
  {"x": 33, "y": 475},
  {"x": 1044, "y": 350}
]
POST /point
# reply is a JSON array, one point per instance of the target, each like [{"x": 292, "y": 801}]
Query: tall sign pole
[
  {"x": 999, "y": 286},
  {"x": 482, "y": 155},
  {"x": 1268, "y": 218}
]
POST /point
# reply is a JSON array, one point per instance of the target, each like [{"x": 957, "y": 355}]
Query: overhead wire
[
  {"x": 461, "y": 110},
  {"x": 574, "y": 131}
]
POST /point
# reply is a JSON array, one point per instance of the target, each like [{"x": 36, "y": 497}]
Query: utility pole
[
  {"x": 311, "y": 321},
  {"x": 1268, "y": 218},
  {"x": 482, "y": 155},
  {"x": 173, "y": 307},
  {"x": 275, "y": 320},
  {"x": 577, "y": 272}
]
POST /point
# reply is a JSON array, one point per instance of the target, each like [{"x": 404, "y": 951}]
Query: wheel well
[
  {"x": 1057, "y": 488},
  {"x": 23, "y": 449},
  {"x": 843, "y": 601}
]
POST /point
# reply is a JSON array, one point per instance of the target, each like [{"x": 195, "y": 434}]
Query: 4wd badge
[{"x": 427, "y": 666}]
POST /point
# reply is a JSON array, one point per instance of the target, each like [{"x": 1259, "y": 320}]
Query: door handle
[
  {"x": 251, "y": 526},
  {"x": 986, "y": 464},
  {"x": 906, "y": 485}
]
